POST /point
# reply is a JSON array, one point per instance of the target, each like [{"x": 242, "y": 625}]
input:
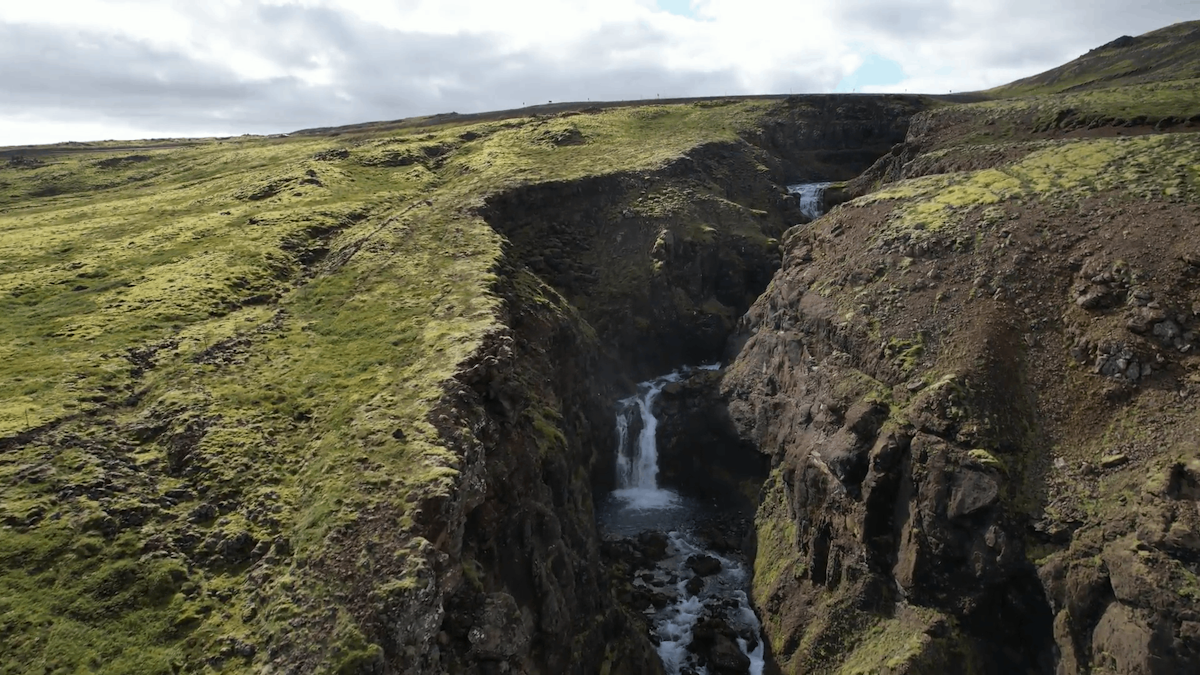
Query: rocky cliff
[
  {"x": 344, "y": 408},
  {"x": 976, "y": 385},
  {"x": 342, "y": 402}
]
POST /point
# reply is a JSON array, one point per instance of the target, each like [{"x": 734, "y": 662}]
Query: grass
[
  {"x": 258, "y": 330},
  {"x": 1112, "y": 106},
  {"x": 1171, "y": 53},
  {"x": 1149, "y": 166},
  {"x": 777, "y": 552}
]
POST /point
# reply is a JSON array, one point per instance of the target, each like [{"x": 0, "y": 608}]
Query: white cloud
[{"x": 80, "y": 70}]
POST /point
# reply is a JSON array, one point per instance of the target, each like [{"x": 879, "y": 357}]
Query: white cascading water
[
  {"x": 637, "y": 463},
  {"x": 676, "y": 621},
  {"x": 638, "y": 491},
  {"x": 812, "y": 198}
]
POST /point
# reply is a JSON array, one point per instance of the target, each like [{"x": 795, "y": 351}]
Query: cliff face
[
  {"x": 346, "y": 410},
  {"x": 518, "y": 578},
  {"x": 837, "y": 137},
  {"x": 662, "y": 263},
  {"x": 975, "y": 383},
  {"x": 605, "y": 280}
]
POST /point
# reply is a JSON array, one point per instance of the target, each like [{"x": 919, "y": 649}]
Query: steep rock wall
[
  {"x": 953, "y": 388},
  {"x": 608, "y": 280},
  {"x": 836, "y": 137},
  {"x": 524, "y": 590}
]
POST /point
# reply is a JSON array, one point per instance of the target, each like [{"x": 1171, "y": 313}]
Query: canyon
[{"x": 918, "y": 388}]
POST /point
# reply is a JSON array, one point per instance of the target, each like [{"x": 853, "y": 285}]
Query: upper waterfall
[{"x": 812, "y": 198}]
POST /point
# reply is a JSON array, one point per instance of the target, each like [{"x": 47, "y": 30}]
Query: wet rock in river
[
  {"x": 653, "y": 545},
  {"x": 704, "y": 565},
  {"x": 715, "y": 642}
]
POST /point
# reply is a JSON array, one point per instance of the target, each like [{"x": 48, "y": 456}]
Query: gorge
[{"x": 431, "y": 396}]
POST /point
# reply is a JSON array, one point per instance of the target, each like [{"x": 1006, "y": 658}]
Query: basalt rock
[
  {"x": 930, "y": 386},
  {"x": 700, "y": 452},
  {"x": 704, "y": 565}
]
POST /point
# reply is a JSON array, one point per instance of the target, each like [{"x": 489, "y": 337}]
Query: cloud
[{"x": 137, "y": 68}]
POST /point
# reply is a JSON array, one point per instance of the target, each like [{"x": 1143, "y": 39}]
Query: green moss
[
  {"x": 987, "y": 459},
  {"x": 777, "y": 553},
  {"x": 1151, "y": 166},
  {"x": 94, "y": 603},
  {"x": 263, "y": 328},
  {"x": 353, "y": 655},
  {"x": 545, "y": 422},
  {"x": 905, "y": 354},
  {"x": 890, "y": 643},
  {"x": 1190, "y": 588}
]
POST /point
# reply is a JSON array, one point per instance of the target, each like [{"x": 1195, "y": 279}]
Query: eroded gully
[{"x": 699, "y": 611}]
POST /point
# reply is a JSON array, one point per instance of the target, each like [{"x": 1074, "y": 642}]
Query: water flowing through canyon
[
  {"x": 699, "y": 612},
  {"x": 812, "y": 198}
]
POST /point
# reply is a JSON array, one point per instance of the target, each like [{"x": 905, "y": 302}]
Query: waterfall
[
  {"x": 643, "y": 506},
  {"x": 637, "y": 459},
  {"x": 812, "y": 198}
]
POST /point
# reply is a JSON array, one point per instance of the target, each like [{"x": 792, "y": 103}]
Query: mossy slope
[
  {"x": 222, "y": 359},
  {"x": 1171, "y": 53}
]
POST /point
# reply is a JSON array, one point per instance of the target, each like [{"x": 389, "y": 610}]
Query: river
[{"x": 704, "y": 588}]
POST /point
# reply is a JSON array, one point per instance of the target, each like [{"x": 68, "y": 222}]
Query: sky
[{"x": 80, "y": 70}]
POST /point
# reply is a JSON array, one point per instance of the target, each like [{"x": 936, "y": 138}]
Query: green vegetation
[
  {"x": 777, "y": 554},
  {"x": 1116, "y": 108},
  {"x": 894, "y": 644},
  {"x": 1153, "y": 166},
  {"x": 987, "y": 459},
  {"x": 905, "y": 354},
  {"x": 221, "y": 359},
  {"x": 1171, "y": 53}
]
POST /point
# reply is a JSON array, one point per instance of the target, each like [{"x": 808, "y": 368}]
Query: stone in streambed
[
  {"x": 726, "y": 658},
  {"x": 704, "y": 565},
  {"x": 653, "y": 545},
  {"x": 715, "y": 642}
]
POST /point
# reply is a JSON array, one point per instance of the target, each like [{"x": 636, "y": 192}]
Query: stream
[
  {"x": 702, "y": 621},
  {"x": 704, "y": 593},
  {"x": 811, "y": 196}
]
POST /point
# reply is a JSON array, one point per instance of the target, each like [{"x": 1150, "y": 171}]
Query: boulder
[
  {"x": 653, "y": 545},
  {"x": 704, "y": 565},
  {"x": 502, "y": 631},
  {"x": 971, "y": 491},
  {"x": 1121, "y": 643}
]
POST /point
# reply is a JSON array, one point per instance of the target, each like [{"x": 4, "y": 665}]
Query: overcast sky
[{"x": 99, "y": 69}]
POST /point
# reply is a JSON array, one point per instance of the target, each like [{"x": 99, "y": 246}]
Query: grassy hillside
[
  {"x": 215, "y": 354},
  {"x": 1171, "y": 53}
]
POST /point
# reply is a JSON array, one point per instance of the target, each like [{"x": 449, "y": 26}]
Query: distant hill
[{"x": 1171, "y": 53}]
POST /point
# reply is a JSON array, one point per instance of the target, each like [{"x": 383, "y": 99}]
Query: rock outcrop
[
  {"x": 963, "y": 379},
  {"x": 606, "y": 278}
]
